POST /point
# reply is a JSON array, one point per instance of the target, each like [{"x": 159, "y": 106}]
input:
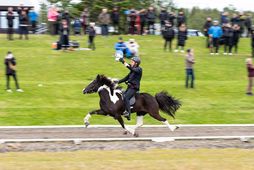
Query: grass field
[
  {"x": 190, "y": 159},
  {"x": 219, "y": 96}
]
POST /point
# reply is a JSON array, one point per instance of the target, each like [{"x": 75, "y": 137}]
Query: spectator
[
  {"x": 77, "y": 26},
  {"x": 142, "y": 15},
  {"x": 91, "y": 36},
  {"x": 171, "y": 18},
  {"x": 10, "y": 17},
  {"x": 252, "y": 41},
  {"x": 248, "y": 24},
  {"x": 121, "y": 48},
  {"x": 250, "y": 69},
  {"x": 23, "y": 25},
  {"x": 168, "y": 34},
  {"x": 85, "y": 19},
  {"x": 181, "y": 19},
  {"x": 33, "y": 17},
  {"x": 67, "y": 17},
  {"x": 58, "y": 23},
  {"x": 241, "y": 22},
  {"x": 236, "y": 37},
  {"x": 224, "y": 18},
  {"x": 104, "y": 20},
  {"x": 228, "y": 39},
  {"x": 132, "y": 17},
  {"x": 133, "y": 46},
  {"x": 151, "y": 16},
  {"x": 64, "y": 34},
  {"x": 189, "y": 61},
  {"x": 52, "y": 20},
  {"x": 181, "y": 38},
  {"x": 163, "y": 17},
  {"x": 10, "y": 65},
  {"x": 215, "y": 33},
  {"x": 115, "y": 17},
  {"x": 206, "y": 27}
]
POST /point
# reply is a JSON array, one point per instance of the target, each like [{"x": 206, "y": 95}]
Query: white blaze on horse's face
[{"x": 113, "y": 98}]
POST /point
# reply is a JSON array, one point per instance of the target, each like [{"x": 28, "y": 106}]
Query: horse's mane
[{"x": 107, "y": 81}]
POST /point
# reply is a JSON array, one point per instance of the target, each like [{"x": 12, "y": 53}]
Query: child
[
  {"x": 91, "y": 35},
  {"x": 133, "y": 46},
  {"x": 10, "y": 64},
  {"x": 181, "y": 38},
  {"x": 189, "y": 61},
  {"x": 250, "y": 69},
  {"x": 168, "y": 34},
  {"x": 64, "y": 34}
]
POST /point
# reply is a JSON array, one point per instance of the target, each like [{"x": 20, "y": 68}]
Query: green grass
[
  {"x": 174, "y": 159},
  {"x": 219, "y": 96}
]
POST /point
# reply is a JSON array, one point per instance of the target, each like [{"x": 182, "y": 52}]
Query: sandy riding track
[{"x": 58, "y": 138}]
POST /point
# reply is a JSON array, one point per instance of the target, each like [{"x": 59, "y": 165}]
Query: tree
[{"x": 43, "y": 13}]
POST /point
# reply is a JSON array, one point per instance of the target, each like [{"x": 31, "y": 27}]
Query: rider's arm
[{"x": 124, "y": 79}]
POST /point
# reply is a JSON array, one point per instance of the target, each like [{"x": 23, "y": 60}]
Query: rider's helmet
[{"x": 136, "y": 60}]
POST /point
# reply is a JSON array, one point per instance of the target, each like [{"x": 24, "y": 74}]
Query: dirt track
[{"x": 51, "y": 133}]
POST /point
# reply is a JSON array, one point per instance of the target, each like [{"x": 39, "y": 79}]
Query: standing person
[
  {"x": 91, "y": 36},
  {"x": 85, "y": 19},
  {"x": 181, "y": 19},
  {"x": 52, "y": 20},
  {"x": 168, "y": 35},
  {"x": 181, "y": 38},
  {"x": 150, "y": 16},
  {"x": 64, "y": 34},
  {"x": 236, "y": 37},
  {"x": 33, "y": 17},
  {"x": 77, "y": 26},
  {"x": 215, "y": 33},
  {"x": 104, "y": 20},
  {"x": 142, "y": 15},
  {"x": 189, "y": 61},
  {"x": 206, "y": 27},
  {"x": 10, "y": 17},
  {"x": 252, "y": 41},
  {"x": 171, "y": 18},
  {"x": 133, "y": 80},
  {"x": 224, "y": 18},
  {"x": 248, "y": 24},
  {"x": 250, "y": 70},
  {"x": 67, "y": 17},
  {"x": 164, "y": 16},
  {"x": 115, "y": 17},
  {"x": 228, "y": 34},
  {"x": 132, "y": 22},
  {"x": 10, "y": 71},
  {"x": 23, "y": 25}
]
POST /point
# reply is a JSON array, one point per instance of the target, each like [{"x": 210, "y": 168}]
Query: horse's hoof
[
  {"x": 87, "y": 124},
  {"x": 136, "y": 134},
  {"x": 125, "y": 133},
  {"x": 177, "y": 127}
]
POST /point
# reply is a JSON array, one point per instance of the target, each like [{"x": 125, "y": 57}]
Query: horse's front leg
[
  {"x": 126, "y": 129},
  {"x": 89, "y": 115}
]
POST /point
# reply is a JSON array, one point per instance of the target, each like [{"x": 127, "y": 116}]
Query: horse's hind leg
[
  {"x": 88, "y": 116},
  {"x": 157, "y": 116}
]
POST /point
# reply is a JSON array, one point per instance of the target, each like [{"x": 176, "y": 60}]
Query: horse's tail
[{"x": 167, "y": 103}]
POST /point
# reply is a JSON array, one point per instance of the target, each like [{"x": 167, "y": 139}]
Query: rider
[{"x": 133, "y": 81}]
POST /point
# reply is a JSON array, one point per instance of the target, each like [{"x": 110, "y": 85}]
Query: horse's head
[
  {"x": 99, "y": 81},
  {"x": 93, "y": 86}
]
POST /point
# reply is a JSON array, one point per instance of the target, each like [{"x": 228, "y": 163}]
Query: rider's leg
[{"x": 127, "y": 96}]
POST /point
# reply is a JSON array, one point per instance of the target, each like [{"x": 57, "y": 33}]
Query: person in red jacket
[{"x": 250, "y": 69}]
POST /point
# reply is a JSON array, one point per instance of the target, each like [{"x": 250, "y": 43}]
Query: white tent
[{"x": 16, "y": 2}]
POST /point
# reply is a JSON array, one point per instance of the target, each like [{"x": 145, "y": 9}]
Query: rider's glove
[{"x": 121, "y": 60}]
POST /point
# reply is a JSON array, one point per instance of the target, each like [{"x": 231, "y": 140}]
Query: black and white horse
[{"x": 111, "y": 103}]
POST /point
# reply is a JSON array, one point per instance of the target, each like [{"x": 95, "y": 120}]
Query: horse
[{"x": 111, "y": 104}]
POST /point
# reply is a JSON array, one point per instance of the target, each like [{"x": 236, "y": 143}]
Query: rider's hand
[
  {"x": 116, "y": 81},
  {"x": 121, "y": 60}
]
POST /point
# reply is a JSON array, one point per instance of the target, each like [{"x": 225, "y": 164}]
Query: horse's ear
[{"x": 98, "y": 77}]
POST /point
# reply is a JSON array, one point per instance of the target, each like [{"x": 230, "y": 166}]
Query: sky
[{"x": 241, "y": 5}]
